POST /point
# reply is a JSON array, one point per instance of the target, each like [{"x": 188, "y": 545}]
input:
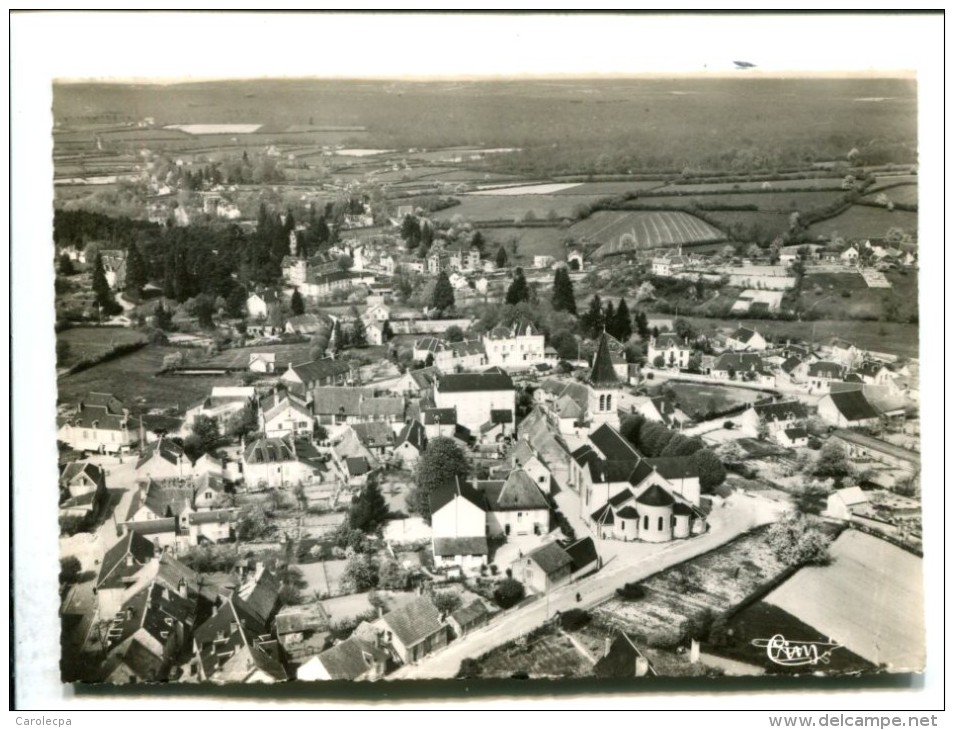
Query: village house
[
  {"x": 820, "y": 375},
  {"x": 525, "y": 457},
  {"x": 476, "y": 396},
  {"x": 848, "y": 409},
  {"x": 863, "y": 447},
  {"x": 100, "y": 424},
  {"x": 844, "y": 352},
  {"x": 844, "y": 504},
  {"x": 284, "y": 414},
  {"x": 674, "y": 350},
  {"x": 516, "y": 348},
  {"x": 745, "y": 339},
  {"x": 118, "y": 570},
  {"x": 270, "y": 463},
  {"x": 414, "y": 630},
  {"x": 236, "y": 645},
  {"x": 261, "y": 305},
  {"x": 261, "y": 362},
  {"x": 114, "y": 266},
  {"x": 353, "y": 659},
  {"x": 743, "y": 365},
  {"x": 849, "y": 255},
  {"x": 336, "y": 406},
  {"x": 82, "y": 489},
  {"x": 791, "y": 438},
  {"x": 376, "y": 436},
  {"x": 303, "y": 378},
  {"x": 439, "y": 422},
  {"x": 160, "y": 512},
  {"x": 669, "y": 264},
  {"x": 516, "y": 506},
  {"x": 544, "y": 568},
  {"x": 467, "y": 618},
  {"x": 410, "y": 444},
  {"x": 308, "y": 325},
  {"x": 775, "y": 416},
  {"x": 459, "y": 525},
  {"x": 303, "y": 631},
  {"x": 163, "y": 460}
]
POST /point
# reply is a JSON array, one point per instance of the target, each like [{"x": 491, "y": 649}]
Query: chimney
[
  {"x": 606, "y": 646},
  {"x": 694, "y": 652},
  {"x": 642, "y": 666},
  {"x": 233, "y": 626},
  {"x": 183, "y": 588},
  {"x": 129, "y": 560}
]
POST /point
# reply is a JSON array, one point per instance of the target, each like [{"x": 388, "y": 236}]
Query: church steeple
[{"x": 603, "y": 387}]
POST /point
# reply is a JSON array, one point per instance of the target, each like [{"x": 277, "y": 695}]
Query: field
[
  {"x": 906, "y": 194},
  {"x": 773, "y": 221},
  {"x": 822, "y": 183},
  {"x": 86, "y": 343},
  {"x": 480, "y": 207},
  {"x": 132, "y": 378},
  {"x": 531, "y": 241},
  {"x": 901, "y": 339},
  {"x": 883, "y": 181},
  {"x": 715, "y": 581},
  {"x": 699, "y": 399},
  {"x": 776, "y": 201},
  {"x": 604, "y": 189},
  {"x": 539, "y": 189},
  {"x": 237, "y": 358},
  {"x": 620, "y": 232},
  {"x": 862, "y": 221}
]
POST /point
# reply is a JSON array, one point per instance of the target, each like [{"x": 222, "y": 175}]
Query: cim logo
[{"x": 787, "y": 653}]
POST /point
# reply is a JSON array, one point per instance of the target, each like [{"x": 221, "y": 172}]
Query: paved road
[{"x": 740, "y": 513}]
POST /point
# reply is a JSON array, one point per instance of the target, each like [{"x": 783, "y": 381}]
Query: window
[
  {"x": 609, "y": 402},
  {"x": 622, "y": 525},
  {"x": 602, "y": 402},
  {"x": 659, "y": 524},
  {"x": 519, "y": 516},
  {"x": 646, "y": 522}
]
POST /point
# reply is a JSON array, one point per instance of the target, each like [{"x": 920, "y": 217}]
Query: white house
[
  {"x": 516, "y": 506},
  {"x": 476, "y": 396},
  {"x": 411, "y": 442},
  {"x": 519, "y": 347},
  {"x": 270, "y": 463},
  {"x": 792, "y": 438},
  {"x": 674, "y": 350},
  {"x": 100, "y": 423},
  {"x": 849, "y": 255},
  {"x": 459, "y": 525},
  {"x": 283, "y": 414},
  {"x": 745, "y": 338},
  {"x": 260, "y": 305},
  {"x": 163, "y": 460},
  {"x": 848, "y": 408},
  {"x": 843, "y": 504}
]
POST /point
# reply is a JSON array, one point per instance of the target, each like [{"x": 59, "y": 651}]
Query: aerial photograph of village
[{"x": 460, "y": 379}]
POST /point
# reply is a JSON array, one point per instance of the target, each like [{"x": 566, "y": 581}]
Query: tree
[
  {"x": 477, "y": 241},
  {"x": 62, "y": 351},
  {"x": 204, "y": 309},
  {"x": 797, "y": 539},
  {"x": 360, "y": 573},
  {"x": 253, "y": 524},
  {"x": 368, "y": 511},
  {"x": 622, "y": 324},
  {"x": 592, "y": 319},
  {"x": 441, "y": 461},
  {"x": 205, "y": 437},
  {"x": 710, "y": 468},
  {"x": 509, "y": 592},
  {"x": 244, "y": 422},
  {"x": 359, "y": 333},
  {"x": 101, "y": 291},
  {"x": 443, "y": 297},
  {"x": 297, "y": 302},
  {"x": 136, "y": 277},
  {"x": 345, "y": 262},
  {"x": 65, "y": 265},
  {"x": 518, "y": 291},
  {"x": 609, "y": 318},
  {"x": 411, "y": 232},
  {"x": 501, "y": 258},
  {"x": 646, "y": 292},
  {"x": 392, "y": 577},
  {"x": 833, "y": 463},
  {"x": 642, "y": 325},
  {"x": 564, "y": 299},
  {"x": 565, "y": 344},
  {"x": 70, "y": 568},
  {"x": 811, "y": 498},
  {"x": 454, "y": 334},
  {"x": 684, "y": 330},
  {"x": 446, "y": 601}
]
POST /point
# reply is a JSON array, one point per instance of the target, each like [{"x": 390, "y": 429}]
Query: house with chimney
[
  {"x": 410, "y": 444},
  {"x": 82, "y": 489},
  {"x": 280, "y": 463},
  {"x": 414, "y": 630},
  {"x": 100, "y": 423},
  {"x": 746, "y": 339},
  {"x": 518, "y": 347},
  {"x": 303, "y": 378},
  {"x": 674, "y": 350},
  {"x": 163, "y": 460},
  {"x": 459, "y": 525},
  {"x": 515, "y": 506},
  {"x": 220, "y": 405},
  {"x": 480, "y": 398},
  {"x": 282, "y": 413},
  {"x": 119, "y": 569}
]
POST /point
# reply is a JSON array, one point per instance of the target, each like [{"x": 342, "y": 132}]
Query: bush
[
  {"x": 69, "y": 570},
  {"x": 469, "y": 669},
  {"x": 631, "y": 592},
  {"x": 846, "y": 294},
  {"x": 509, "y": 592},
  {"x": 728, "y": 425},
  {"x": 574, "y": 619}
]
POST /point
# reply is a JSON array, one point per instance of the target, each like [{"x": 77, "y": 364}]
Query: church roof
[{"x": 603, "y": 373}]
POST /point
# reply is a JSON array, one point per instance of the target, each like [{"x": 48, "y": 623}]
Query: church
[{"x": 623, "y": 495}]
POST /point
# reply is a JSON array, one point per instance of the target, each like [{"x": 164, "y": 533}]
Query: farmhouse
[
  {"x": 222, "y": 403},
  {"x": 302, "y": 379},
  {"x": 411, "y": 442},
  {"x": 745, "y": 365},
  {"x": 284, "y": 414},
  {"x": 746, "y": 339},
  {"x": 820, "y": 375},
  {"x": 775, "y": 416},
  {"x": 83, "y": 489},
  {"x": 336, "y": 406},
  {"x": 847, "y": 408},
  {"x": 861, "y": 446},
  {"x": 414, "y": 630},
  {"x": 547, "y": 567},
  {"x": 516, "y": 506},
  {"x": 515, "y": 348},
  {"x": 269, "y": 463}
]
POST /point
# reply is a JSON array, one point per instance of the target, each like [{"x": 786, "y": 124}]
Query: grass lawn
[
  {"x": 768, "y": 201},
  {"x": 699, "y": 399},
  {"x": 132, "y": 378},
  {"x": 530, "y": 242},
  {"x": 91, "y": 342},
  {"x": 513, "y": 207},
  {"x": 824, "y": 295}
]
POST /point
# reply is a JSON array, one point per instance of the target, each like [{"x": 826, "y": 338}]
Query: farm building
[
  {"x": 544, "y": 568},
  {"x": 848, "y": 408},
  {"x": 861, "y": 446}
]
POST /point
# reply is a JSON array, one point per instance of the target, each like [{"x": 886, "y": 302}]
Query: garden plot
[
  {"x": 755, "y": 300},
  {"x": 875, "y": 279}
]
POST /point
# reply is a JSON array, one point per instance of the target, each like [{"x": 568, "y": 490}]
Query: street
[{"x": 739, "y": 514}]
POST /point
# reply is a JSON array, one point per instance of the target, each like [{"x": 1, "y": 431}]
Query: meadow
[
  {"x": 863, "y": 221},
  {"x": 699, "y": 400},
  {"x": 88, "y": 343},
  {"x": 619, "y": 231}
]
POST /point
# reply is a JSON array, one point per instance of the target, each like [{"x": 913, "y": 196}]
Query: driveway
[{"x": 739, "y": 514}]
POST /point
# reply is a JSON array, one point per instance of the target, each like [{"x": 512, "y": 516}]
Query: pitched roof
[
  {"x": 790, "y": 364},
  {"x": 670, "y": 339},
  {"x": 852, "y": 495},
  {"x": 796, "y": 433},
  {"x": 113, "y": 569},
  {"x": 582, "y": 552},
  {"x": 165, "y": 449},
  {"x": 318, "y": 370},
  {"x": 85, "y": 468},
  {"x": 518, "y": 493},
  {"x": 674, "y": 467},
  {"x": 414, "y": 622},
  {"x": 162, "y": 500},
  {"x": 612, "y": 445},
  {"x": 550, "y": 557},
  {"x": 604, "y": 515},
  {"x": 424, "y": 377},
  {"x": 655, "y": 496},
  {"x": 603, "y": 374},
  {"x": 373, "y": 433},
  {"x": 414, "y": 434},
  {"x": 466, "y": 615},
  {"x": 269, "y": 451},
  {"x": 351, "y": 658},
  {"x": 452, "y": 488},
  {"x": 826, "y": 369},
  {"x": 853, "y": 405},
  {"x": 440, "y": 415},
  {"x": 628, "y": 512},
  {"x": 744, "y": 334},
  {"x": 781, "y": 410},
  {"x": 738, "y": 361},
  {"x": 260, "y": 595},
  {"x": 449, "y": 546},
  {"x": 876, "y": 444},
  {"x": 474, "y": 382},
  {"x": 357, "y": 466},
  {"x": 620, "y": 662}
]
